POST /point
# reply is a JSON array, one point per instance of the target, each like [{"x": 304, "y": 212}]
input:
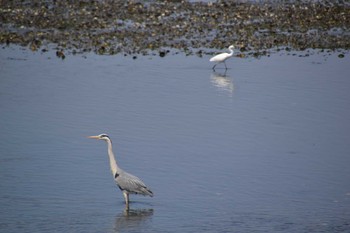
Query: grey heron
[
  {"x": 221, "y": 58},
  {"x": 127, "y": 183}
]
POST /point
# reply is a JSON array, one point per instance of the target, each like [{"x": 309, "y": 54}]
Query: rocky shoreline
[{"x": 109, "y": 27}]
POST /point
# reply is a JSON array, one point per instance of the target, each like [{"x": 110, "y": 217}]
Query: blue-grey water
[{"x": 264, "y": 147}]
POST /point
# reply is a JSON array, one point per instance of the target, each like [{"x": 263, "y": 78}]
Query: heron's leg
[
  {"x": 126, "y": 197},
  {"x": 225, "y": 65},
  {"x": 214, "y": 66}
]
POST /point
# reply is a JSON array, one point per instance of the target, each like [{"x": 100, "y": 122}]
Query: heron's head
[
  {"x": 231, "y": 47},
  {"x": 101, "y": 137}
]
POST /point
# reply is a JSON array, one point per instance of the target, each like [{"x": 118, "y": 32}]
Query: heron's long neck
[{"x": 112, "y": 161}]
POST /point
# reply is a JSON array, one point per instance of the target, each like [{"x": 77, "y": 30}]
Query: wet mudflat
[
  {"x": 262, "y": 147},
  {"x": 154, "y": 27}
]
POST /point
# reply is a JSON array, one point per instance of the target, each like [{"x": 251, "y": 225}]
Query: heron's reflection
[
  {"x": 222, "y": 81},
  {"x": 132, "y": 219}
]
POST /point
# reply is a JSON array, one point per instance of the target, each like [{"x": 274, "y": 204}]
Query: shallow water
[{"x": 263, "y": 147}]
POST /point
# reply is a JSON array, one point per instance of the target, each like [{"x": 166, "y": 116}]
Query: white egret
[{"x": 222, "y": 57}]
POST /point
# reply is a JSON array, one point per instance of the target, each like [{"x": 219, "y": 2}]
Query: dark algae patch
[{"x": 155, "y": 27}]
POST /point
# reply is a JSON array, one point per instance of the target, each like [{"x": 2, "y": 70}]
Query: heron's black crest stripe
[{"x": 116, "y": 175}]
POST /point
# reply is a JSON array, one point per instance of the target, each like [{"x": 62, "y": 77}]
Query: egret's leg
[
  {"x": 126, "y": 197},
  {"x": 225, "y": 65},
  {"x": 214, "y": 66}
]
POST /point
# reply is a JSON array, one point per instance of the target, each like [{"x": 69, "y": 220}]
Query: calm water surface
[{"x": 263, "y": 147}]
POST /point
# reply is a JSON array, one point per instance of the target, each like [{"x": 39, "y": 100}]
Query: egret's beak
[{"x": 94, "y": 137}]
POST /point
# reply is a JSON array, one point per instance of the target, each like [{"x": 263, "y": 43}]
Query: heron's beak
[{"x": 94, "y": 137}]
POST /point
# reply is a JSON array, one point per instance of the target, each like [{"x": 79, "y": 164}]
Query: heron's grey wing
[{"x": 132, "y": 184}]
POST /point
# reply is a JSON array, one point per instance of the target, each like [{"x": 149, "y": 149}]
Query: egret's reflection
[
  {"x": 222, "y": 81},
  {"x": 132, "y": 219}
]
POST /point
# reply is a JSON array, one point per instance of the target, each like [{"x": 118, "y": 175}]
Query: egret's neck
[
  {"x": 112, "y": 161},
  {"x": 231, "y": 52}
]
